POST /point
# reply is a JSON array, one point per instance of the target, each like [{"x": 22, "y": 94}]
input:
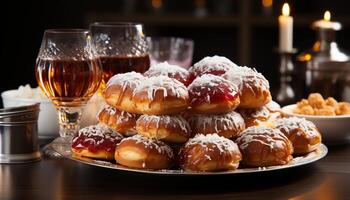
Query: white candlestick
[
  {"x": 326, "y": 23},
  {"x": 285, "y": 30}
]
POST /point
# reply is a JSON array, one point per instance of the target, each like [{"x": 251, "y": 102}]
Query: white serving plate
[
  {"x": 334, "y": 129},
  {"x": 62, "y": 147}
]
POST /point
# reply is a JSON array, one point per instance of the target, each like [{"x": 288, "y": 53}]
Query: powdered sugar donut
[
  {"x": 121, "y": 121},
  {"x": 209, "y": 153},
  {"x": 168, "y": 128},
  {"x": 262, "y": 116},
  {"x": 228, "y": 125},
  {"x": 302, "y": 133},
  {"x": 172, "y": 71},
  {"x": 216, "y": 65},
  {"x": 263, "y": 146},
  {"x": 98, "y": 141},
  {"x": 254, "y": 88},
  {"x": 145, "y": 153},
  {"x": 213, "y": 94},
  {"x": 120, "y": 89},
  {"x": 160, "y": 95}
]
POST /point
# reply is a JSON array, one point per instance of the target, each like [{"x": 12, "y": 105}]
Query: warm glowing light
[
  {"x": 285, "y": 9},
  {"x": 267, "y": 3},
  {"x": 327, "y": 16},
  {"x": 157, "y": 3}
]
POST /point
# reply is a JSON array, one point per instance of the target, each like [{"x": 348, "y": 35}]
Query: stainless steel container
[{"x": 19, "y": 134}]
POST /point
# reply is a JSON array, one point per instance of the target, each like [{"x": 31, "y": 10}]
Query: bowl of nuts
[{"x": 331, "y": 117}]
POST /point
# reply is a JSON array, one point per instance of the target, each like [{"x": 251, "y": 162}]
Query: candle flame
[
  {"x": 285, "y": 9},
  {"x": 327, "y": 16}
]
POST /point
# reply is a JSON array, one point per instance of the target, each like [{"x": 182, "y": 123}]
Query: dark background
[{"x": 243, "y": 30}]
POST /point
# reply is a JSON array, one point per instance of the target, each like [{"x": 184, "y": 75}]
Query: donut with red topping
[{"x": 215, "y": 65}]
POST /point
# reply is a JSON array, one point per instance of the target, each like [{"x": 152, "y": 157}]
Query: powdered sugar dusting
[
  {"x": 167, "y": 121},
  {"x": 165, "y": 69},
  {"x": 102, "y": 131},
  {"x": 227, "y": 121},
  {"x": 160, "y": 146},
  {"x": 289, "y": 124},
  {"x": 262, "y": 112},
  {"x": 247, "y": 77},
  {"x": 129, "y": 79},
  {"x": 273, "y": 138},
  {"x": 222, "y": 143},
  {"x": 212, "y": 65},
  {"x": 169, "y": 86}
]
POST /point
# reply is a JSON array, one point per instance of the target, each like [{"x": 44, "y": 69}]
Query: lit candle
[
  {"x": 286, "y": 29},
  {"x": 326, "y": 22}
]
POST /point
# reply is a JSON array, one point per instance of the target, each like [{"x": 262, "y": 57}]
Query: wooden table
[{"x": 65, "y": 179}]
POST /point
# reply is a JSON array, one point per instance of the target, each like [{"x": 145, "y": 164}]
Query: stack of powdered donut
[{"x": 216, "y": 116}]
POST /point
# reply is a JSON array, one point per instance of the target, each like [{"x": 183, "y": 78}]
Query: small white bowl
[
  {"x": 47, "y": 122},
  {"x": 334, "y": 129}
]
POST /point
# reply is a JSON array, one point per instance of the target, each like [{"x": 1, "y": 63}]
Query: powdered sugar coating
[
  {"x": 169, "y": 87},
  {"x": 215, "y": 65},
  {"x": 158, "y": 145},
  {"x": 287, "y": 125},
  {"x": 248, "y": 78},
  {"x": 172, "y": 71},
  {"x": 227, "y": 121},
  {"x": 213, "y": 140},
  {"x": 101, "y": 131},
  {"x": 262, "y": 112},
  {"x": 204, "y": 88},
  {"x": 126, "y": 80},
  {"x": 168, "y": 121},
  {"x": 272, "y": 138},
  {"x": 273, "y": 106}
]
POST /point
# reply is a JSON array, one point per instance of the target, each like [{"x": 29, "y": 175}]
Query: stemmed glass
[
  {"x": 121, "y": 47},
  {"x": 69, "y": 73}
]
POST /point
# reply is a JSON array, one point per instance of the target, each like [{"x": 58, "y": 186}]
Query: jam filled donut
[
  {"x": 168, "y": 128},
  {"x": 302, "y": 133},
  {"x": 98, "y": 141},
  {"x": 216, "y": 65},
  {"x": 120, "y": 89},
  {"x": 211, "y": 94},
  {"x": 122, "y": 121},
  {"x": 172, "y": 71},
  {"x": 209, "y": 153},
  {"x": 227, "y": 125},
  {"x": 263, "y": 146},
  {"x": 161, "y": 95},
  {"x": 144, "y": 153},
  {"x": 255, "y": 89}
]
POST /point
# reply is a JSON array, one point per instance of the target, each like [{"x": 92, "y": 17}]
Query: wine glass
[
  {"x": 121, "y": 47},
  {"x": 69, "y": 73}
]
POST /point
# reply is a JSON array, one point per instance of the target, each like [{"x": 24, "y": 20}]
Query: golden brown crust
[
  {"x": 209, "y": 153},
  {"x": 122, "y": 121},
  {"x": 254, "y": 98},
  {"x": 263, "y": 146},
  {"x": 262, "y": 116},
  {"x": 144, "y": 153},
  {"x": 168, "y": 128},
  {"x": 302, "y": 133},
  {"x": 103, "y": 155},
  {"x": 228, "y": 125},
  {"x": 216, "y": 107}
]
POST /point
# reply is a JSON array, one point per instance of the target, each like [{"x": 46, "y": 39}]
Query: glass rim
[
  {"x": 68, "y": 31},
  {"x": 115, "y": 24}
]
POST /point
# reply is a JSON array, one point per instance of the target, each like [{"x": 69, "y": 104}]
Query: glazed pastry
[
  {"x": 215, "y": 65},
  {"x": 168, "y": 128},
  {"x": 172, "y": 71},
  {"x": 122, "y": 121},
  {"x": 254, "y": 88},
  {"x": 211, "y": 94},
  {"x": 263, "y": 116},
  {"x": 209, "y": 153},
  {"x": 263, "y": 146},
  {"x": 120, "y": 89},
  {"x": 141, "y": 152},
  {"x": 161, "y": 95},
  {"x": 302, "y": 133},
  {"x": 228, "y": 125},
  {"x": 98, "y": 141}
]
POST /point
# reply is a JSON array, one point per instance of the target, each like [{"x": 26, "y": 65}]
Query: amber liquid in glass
[
  {"x": 68, "y": 83},
  {"x": 112, "y": 65}
]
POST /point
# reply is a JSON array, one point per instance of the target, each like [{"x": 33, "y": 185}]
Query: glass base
[{"x": 69, "y": 120}]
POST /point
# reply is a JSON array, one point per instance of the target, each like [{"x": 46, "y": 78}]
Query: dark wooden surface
[{"x": 65, "y": 179}]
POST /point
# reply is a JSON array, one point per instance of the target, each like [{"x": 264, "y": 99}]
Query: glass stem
[{"x": 69, "y": 120}]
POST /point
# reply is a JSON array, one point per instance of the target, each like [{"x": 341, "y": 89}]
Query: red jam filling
[
  {"x": 95, "y": 143},
  {"x": 218, "y": 94}
]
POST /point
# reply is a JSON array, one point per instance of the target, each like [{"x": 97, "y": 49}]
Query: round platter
[{"x": 62, "y": 147}]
